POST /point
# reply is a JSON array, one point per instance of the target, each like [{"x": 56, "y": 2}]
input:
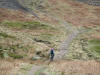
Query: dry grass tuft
[{"x": 8, "y": 67}]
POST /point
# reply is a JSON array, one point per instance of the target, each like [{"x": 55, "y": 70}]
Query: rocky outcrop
[
  {"x": 91, "y": 2},
  {"x": 13, "y": 4}
]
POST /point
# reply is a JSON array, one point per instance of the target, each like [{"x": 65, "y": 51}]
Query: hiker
[{"x": 51, "y": 54}]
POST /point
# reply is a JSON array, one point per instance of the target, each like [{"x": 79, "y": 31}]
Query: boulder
[{"x": 35, "y": 57}]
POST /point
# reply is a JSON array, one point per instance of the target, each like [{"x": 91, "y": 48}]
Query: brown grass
[
  {"x": 19, "y": 15},
  {"x": 76, "y": 13},
  {"x": 69, "y": 10},
  {"x": 78, "y": 67},
  {"x": 8, "y": 67},
  {"x": 15, "y": 15}
]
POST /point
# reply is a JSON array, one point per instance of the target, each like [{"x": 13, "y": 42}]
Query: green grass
[
  {"x": 41, "y": 5},
  {"x": 95, "y": 45},
  {"x": 62, "y": 73},
  {"x": 24, "y": 69},
  {"x": 27, "y": 25},
  {"x": 15, "y": 56},
  {"x": 39, "y": 71},
  {"x": 6, "y": 35},
  {"x": 95, "y": 41},
  {"x": 46, "y": 36},
  {"x": 13, "y": 51},
  {"x": 96, "y": 49}
]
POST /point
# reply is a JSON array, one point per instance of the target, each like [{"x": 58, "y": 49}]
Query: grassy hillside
[{"x": 24, "y": 37}]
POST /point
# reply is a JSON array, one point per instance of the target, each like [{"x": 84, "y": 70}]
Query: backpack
[{"x": 52, "y": 52}]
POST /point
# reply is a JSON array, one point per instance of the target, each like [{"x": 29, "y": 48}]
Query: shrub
[{"x": 15, "y": 56}]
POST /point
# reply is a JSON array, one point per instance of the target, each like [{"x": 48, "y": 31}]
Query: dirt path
[
  {"x": 63, "y": 48},
  {"x": 65, "y": 45}
]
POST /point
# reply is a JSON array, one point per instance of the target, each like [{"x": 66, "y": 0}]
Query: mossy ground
[
  {"x": 4, "y": 35},
  {"x": 94, "y": 46},
  {"x": 27, "y": 25}
]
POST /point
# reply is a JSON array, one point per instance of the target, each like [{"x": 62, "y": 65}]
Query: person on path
[{"x": 52, "y": 54}]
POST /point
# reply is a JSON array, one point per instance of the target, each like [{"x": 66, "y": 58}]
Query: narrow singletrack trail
[
  {"x": 63, "y": 48},
  {"x": 65, "y": 45}
]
